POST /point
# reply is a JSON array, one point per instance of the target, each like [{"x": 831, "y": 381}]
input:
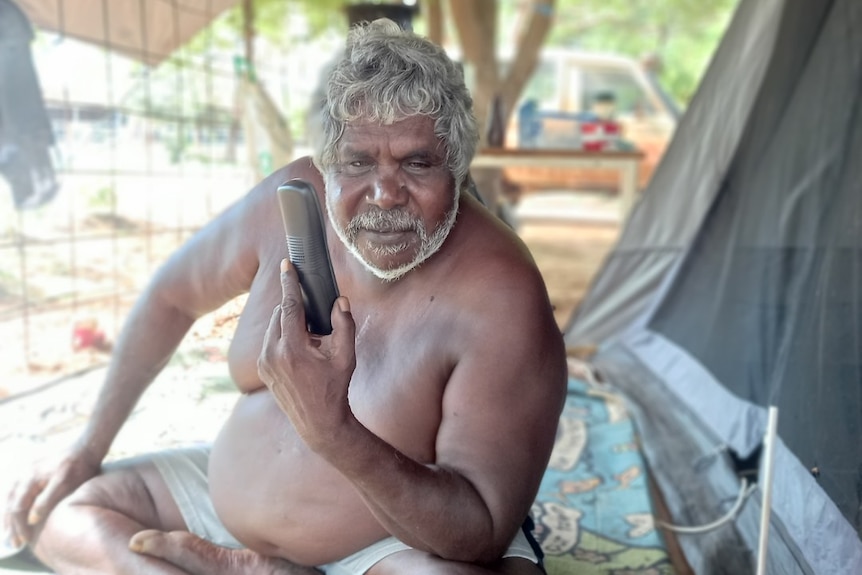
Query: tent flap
[
  {"x": 669, "y": 213},
  {"x": 696, "y": 477}
]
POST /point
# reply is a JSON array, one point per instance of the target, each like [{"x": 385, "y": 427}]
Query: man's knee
[
  {"x": 133, "y": 490},
  {"x": 89, "y": 531}
]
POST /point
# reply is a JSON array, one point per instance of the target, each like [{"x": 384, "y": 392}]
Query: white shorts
[{"x": 185, "y": 473}]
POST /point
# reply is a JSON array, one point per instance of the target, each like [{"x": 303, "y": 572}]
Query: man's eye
[
  {"x": 356, "y": 166},
  {"x": 417, "y": 165}
]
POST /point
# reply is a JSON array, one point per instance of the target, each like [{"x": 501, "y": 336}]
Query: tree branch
[
  {"x": 433, "y": 12},
  {"x": 527, "y": 56},
  {"x": 476, "y": 24}
]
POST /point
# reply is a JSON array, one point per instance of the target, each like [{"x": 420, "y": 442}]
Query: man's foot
[{"x": 200, "y": 557}]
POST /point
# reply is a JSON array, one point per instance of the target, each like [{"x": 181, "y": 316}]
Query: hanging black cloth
[{"x": 26, "y": 136}]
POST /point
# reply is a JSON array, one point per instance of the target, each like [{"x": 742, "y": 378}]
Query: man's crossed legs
[{"x": 147, "y": 515}]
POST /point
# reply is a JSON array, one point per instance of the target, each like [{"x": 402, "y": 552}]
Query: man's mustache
[{"x": 386, "y": 221}]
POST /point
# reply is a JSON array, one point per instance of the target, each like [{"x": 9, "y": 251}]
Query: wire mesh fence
[{"x": 148, "y": 146}]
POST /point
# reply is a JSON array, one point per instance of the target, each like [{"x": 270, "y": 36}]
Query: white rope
[{"x": 744, "y": 491}]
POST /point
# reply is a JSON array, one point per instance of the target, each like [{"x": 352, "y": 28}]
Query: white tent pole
[{"x": 766, "y": 487}]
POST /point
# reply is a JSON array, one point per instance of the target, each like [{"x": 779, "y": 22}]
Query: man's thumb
[{"x": 343, "y": 326}]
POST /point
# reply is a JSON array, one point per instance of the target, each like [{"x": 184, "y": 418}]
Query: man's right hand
[{"x": 34, "y": 495}]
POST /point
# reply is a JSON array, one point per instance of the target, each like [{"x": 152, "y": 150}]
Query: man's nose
[{"x": 389, "y": 192}]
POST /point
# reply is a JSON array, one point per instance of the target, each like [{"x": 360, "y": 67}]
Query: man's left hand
[{"x": 307, "y": 374}]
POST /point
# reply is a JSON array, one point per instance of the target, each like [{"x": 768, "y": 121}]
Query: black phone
[{"x": 308, "y": 252}]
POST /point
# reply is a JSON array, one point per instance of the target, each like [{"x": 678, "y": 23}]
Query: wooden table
[{"x": 624, "y": 162}]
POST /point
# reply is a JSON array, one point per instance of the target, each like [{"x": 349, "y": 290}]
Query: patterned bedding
[{"x": 593, "y": 513}]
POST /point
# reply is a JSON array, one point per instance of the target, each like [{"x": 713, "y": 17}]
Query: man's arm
[
  {"x": 215, "y": 265},
  {"x": 500, "y": 413}
]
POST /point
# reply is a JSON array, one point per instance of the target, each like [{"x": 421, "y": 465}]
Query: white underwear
[{"x": 185, "y": 473}]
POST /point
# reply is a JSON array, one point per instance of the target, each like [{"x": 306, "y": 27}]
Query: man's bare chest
[
  {"x": 398, "y": 385},
  {"x": 403, "y": 362}
]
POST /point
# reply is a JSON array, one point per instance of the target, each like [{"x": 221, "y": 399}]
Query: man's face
[{"x": 391, "y": 197}]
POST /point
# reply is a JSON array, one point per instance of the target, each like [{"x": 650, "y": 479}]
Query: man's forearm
[
  {"x": 149, "y": 337},
  {"x": 425, "y": 506}
]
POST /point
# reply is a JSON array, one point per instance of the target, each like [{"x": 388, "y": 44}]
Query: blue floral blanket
[{"x": 594, "y": 513}]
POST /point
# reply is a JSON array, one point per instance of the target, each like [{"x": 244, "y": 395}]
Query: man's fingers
[
  {"x": 292, "y": 310},
  {"x": 273, "y": 330},
  {"x": 270, "y": 340},
  {"x": 46, "y": 500},
  {"x": 20, "y": 505},
  {"x": 16, "y": 526}
]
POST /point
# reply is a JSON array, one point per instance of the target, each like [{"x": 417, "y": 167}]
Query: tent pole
[{"x": 766, "y": 485}]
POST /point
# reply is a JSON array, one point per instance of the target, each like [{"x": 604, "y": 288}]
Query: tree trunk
[
  {"x": 433, "y": 13},
  {"x": 476, "y": 23},
  {"x": 527, "y": 53},
  {"x": 248, "y": 43},
  {"x": 248, "y": 31}
]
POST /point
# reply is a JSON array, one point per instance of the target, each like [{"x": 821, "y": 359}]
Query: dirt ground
[
  {"x": 568, "y": 255},
  {"x": 569, "y": 235}
]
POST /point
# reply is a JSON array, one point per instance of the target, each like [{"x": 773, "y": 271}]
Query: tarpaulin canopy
[{"x": 147, "y": 31}]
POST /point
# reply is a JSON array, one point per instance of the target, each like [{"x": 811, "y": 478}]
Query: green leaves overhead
[
  {"x": 682, "y": 33},
  {"x": 272, "y": 17}
]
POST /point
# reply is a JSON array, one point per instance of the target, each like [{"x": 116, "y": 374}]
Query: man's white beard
[{"x": 392, "y": 220}]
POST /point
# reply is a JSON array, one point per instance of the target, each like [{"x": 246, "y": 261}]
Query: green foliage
[
  {"x": 272, "y": 19},
  {"x": 10, "y": 284},
  {"x": 682, "y": 33},
  {"x": 103, "y": 199}
]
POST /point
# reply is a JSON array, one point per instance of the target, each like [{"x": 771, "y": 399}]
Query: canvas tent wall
[{"x": 737, "y": 284}]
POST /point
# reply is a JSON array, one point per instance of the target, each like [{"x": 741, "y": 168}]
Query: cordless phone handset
[{"x": 307, "y": 251}]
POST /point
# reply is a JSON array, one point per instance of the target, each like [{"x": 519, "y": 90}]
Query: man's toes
[
  {"x": 185, "y": 550},
  {"x": 145, "y": 541},
  {"x": 200, "y": 557}
]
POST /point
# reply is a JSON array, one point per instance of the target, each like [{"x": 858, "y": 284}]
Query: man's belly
[{"x": 278, "y": 497}]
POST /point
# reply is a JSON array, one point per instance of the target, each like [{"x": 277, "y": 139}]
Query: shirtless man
[{"x": 411, "y": 440}]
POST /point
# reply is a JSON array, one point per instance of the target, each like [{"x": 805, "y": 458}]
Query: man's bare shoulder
[
  {"x": 222, "y": 259},
  {"x": 495, "y": 291},
  {"x": 258, "y": 212},
  {"x": 302, "y": 168},
  {"x": 508, "y": 353},
  {"x": 492, "y": 256},
  {"x": 263, "y": 196}
]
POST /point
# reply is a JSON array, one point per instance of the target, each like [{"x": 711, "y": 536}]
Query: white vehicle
[{"x": 564, "y": 87}]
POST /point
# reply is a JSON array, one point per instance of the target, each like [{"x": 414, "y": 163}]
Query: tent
[{"x": 737, "y": 285}]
